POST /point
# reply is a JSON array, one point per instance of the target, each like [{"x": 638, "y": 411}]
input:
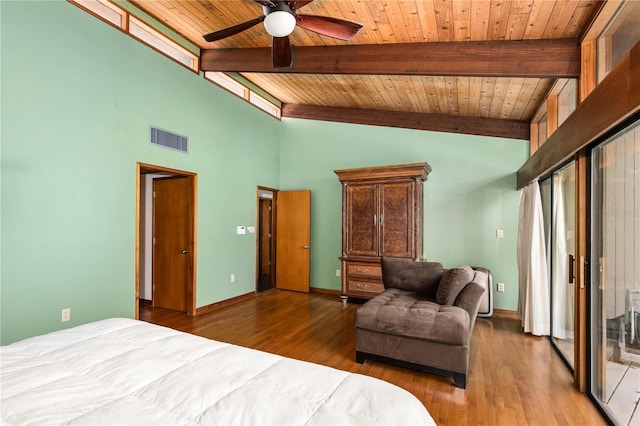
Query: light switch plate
[
  {"x": 241, "y": 230},
  {"x": 499, "y": 233}
]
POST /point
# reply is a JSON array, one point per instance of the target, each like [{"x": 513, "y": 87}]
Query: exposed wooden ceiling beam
[
  {"x": 557, "y": 58},
  {"x": 439, "y": 123}
]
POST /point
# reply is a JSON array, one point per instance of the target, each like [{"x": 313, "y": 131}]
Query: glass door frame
[
  {"x": 549, "y": 228},
  {"x": 590, "y": 265}
]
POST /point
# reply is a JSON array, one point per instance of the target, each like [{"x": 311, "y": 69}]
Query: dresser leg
[{"x": 344, "y": 298}]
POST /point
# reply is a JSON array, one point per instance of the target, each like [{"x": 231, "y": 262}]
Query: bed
[{"x": 123, "y": 371}]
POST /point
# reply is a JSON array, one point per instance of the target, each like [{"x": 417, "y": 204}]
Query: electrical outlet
[
  {"x": 337, "y": 272},
  {"x": 499, "y": 233},
  {"x": 500, "y": 286},
  {"x": 233, "y": 278},
  {"x": 66, "y": 315}
]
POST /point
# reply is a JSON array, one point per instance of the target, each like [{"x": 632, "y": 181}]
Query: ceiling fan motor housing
[{"x": 280, "y": 20}]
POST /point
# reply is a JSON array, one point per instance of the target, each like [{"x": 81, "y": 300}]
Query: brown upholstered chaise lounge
[{"x": 424, "y": 319}]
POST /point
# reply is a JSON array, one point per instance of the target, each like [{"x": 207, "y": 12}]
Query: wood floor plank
[{"x": 516, "y": 379}]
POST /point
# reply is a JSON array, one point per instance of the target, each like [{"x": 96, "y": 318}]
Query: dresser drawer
[
  {"x": 364, "y": 287},
  {"x": 364, "y": 270}
]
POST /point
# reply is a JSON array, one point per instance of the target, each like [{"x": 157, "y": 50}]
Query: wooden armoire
[{"x": 381, "y": 216}]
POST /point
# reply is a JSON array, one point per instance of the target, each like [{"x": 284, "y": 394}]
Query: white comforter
[{"x": 122, "y": 371}]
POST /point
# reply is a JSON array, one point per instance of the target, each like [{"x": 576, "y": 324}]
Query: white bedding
[{"x": 122, "y": 371}]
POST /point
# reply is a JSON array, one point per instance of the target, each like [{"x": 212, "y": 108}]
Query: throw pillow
[{"x": 452, "y": 282}]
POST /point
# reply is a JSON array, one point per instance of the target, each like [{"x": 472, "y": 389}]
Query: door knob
[
  {"x": 185, "y": 251},
  {"x": 306, "y": 247}
]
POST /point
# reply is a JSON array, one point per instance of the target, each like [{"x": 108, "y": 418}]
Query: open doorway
[
  {"x": 165, "y": 238},
  {"x": 265, "y": 251}
]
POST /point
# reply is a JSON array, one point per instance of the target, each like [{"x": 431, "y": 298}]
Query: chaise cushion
[
  {"x": 409, "y": 275},
  {"x": 452, "y": 282},
  {"x": 403, "y": 313}
]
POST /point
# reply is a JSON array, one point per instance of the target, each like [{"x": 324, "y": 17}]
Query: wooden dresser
[{"x": 381, "y": 216}]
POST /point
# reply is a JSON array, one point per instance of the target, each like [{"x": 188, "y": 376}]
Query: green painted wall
[
  {"x": 468, "y": 196},
  {"x": 77, "y": 99}
]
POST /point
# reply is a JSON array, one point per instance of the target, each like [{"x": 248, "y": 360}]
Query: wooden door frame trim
[
  {"x": 581, "y": 314},
  {"x": 144, "y": 168},
  {"x": 272, "y": 243}
]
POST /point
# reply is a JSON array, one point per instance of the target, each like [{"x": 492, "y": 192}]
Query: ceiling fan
[{"x": 280, "y": 18}]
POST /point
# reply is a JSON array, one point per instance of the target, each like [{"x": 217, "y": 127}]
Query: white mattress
[{"x": 123, "y": 371}]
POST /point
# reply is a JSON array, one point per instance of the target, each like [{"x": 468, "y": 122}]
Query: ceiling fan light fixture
[{"x": 280, "y": 23}]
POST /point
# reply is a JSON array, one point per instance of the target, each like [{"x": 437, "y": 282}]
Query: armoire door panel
[
  {"x": 397, "y": 219},
  {"x": 362, "y": 219}
]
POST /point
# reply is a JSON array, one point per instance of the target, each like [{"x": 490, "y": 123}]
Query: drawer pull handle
[
  {"x": 361, "y": 269},
  {"x": 362, "y": 285}
]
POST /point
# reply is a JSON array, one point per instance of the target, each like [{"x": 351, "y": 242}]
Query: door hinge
[
  {"x": 154, "y": 240},
  {"x": 154, "y": 194}
]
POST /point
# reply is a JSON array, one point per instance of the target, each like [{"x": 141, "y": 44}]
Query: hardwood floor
[{"x": 516, "y": 379}]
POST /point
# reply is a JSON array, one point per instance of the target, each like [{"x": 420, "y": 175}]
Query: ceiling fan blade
[
  {"x": 295, "y": 5},
  {"x": 224, "y": 33},
  {"x": 281, "y": 52},
  {"x": 328, "y": 26}
]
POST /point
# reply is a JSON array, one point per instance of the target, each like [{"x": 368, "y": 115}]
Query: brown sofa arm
[{"x": 469, "y": 300}]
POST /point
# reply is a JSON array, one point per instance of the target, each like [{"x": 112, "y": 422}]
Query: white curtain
[
  {"x": 561, "y": 290},
  {"x": 533, "y": 300}
]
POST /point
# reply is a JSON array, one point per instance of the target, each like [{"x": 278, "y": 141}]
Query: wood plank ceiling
[{"x": 467, "y": 66}]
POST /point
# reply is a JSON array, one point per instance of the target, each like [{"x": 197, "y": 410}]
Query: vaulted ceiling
[{"x": 467, "y": 66}]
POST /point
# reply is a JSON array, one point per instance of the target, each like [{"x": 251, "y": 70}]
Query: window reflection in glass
[
  {"x": 615, "y": 276},
  {"x": 622, "y": 33}
]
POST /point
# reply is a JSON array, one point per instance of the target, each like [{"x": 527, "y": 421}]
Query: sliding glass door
[
  {"x": 558, "y": 205},
  {"x": 615, "y": 276},
  {"x": 563, "y": 219}
]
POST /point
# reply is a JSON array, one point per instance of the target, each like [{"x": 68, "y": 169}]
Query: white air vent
[{"x": 168, "y": 139}]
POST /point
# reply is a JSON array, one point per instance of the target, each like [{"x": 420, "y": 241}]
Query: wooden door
[
  {"x": 293, "y": 240},
  {"x": 172, "y": 230},
  {"x": 397, "y": 219},
  {"x": 362, "y": 218}
]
